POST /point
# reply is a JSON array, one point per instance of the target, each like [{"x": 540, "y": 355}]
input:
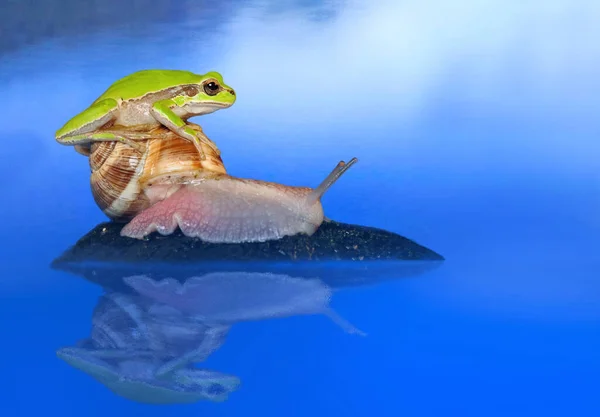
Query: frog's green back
[{"x": 147, "y": 81}]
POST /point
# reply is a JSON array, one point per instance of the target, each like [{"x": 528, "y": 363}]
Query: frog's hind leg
[
  {"x": 83, "y": 129},
  {"x": 91, "y": 119},
  {"x": 100, "y": 136}
]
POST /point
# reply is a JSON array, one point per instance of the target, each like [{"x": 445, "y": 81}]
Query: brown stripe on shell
[
  {"x": 100, "y": 151},
  {"x": 174, "y": 159},
  {"x": 114, "y": 180}
]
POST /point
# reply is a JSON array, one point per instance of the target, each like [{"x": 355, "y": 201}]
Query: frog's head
[{"x": 209, "y": 94}]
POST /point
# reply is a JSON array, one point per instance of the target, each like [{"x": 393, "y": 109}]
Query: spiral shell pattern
[{"x": 121, "y": 175}]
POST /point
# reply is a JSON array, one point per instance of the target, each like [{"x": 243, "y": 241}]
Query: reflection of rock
[
  {"x": 109, "y": 275},
  {"x": 332, "y": 241}
]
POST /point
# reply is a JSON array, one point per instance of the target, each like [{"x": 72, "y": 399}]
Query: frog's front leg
[
  {"x": 83, "y": 128},
  {"x": 163, "y": 112}
]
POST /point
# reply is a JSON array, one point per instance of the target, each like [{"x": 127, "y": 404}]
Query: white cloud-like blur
[
  {"x": 398, "y": 57},
  {"x": 373, "y": 62}
]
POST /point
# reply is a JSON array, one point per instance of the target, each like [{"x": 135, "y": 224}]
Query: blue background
[{"x": 475, "y": 125}]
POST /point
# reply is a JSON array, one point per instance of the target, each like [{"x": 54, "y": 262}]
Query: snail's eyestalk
[{"x": 316, "y": 194}]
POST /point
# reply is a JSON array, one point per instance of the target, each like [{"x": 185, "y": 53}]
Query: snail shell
[{"x": 122, "y": 178}]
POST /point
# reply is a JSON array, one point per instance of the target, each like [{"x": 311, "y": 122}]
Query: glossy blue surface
[{"x": 475, "y": 125}]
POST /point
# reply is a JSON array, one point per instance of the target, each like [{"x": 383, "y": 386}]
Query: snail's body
[
  {"x": 166, "y": 187},
  {"x": 228, "y": 209}
]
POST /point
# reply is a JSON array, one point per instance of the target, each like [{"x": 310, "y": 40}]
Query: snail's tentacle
[{"x": 337, "y": 172}]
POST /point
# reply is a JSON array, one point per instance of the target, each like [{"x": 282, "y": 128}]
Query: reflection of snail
[
  {"x": 168, "y": 187},
  {"x": 147, "y": 337},
  {"x": 226, "y": 298}
]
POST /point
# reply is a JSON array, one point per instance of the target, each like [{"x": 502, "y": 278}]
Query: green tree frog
[{"x": 149, "y": 98}]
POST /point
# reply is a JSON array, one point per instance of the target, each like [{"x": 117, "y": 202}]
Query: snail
[
  {"x": 166, "y": 186},
  {"x": 122, "y": 176}
]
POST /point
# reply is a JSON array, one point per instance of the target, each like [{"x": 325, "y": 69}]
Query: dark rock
[
  {"x": 332, "y": 241},
  {"x": 109, "y": 275},
  {"x": 347, "y": 255}
]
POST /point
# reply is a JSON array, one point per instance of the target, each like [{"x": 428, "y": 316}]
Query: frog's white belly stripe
[{"x": 135, "y": 113}]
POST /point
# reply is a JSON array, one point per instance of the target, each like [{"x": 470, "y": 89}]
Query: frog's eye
[
  {"x": 211, "y": 88},
  {"x": 190, "y": 90}
]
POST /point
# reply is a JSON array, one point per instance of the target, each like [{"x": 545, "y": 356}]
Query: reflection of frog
[
  {"x": 133, "y": 376},
  {"x": 144, "y": 352}
]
